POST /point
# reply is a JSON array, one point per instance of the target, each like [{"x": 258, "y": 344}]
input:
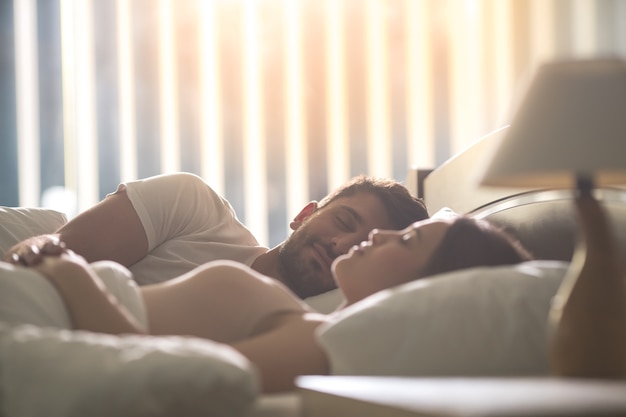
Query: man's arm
[{"x": 109, "y": 230}]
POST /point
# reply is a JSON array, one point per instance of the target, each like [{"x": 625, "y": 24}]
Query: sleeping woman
[{"x": 258, "y": 316}]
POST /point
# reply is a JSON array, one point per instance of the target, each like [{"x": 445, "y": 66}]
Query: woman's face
[{"x": 387, "y": 259}]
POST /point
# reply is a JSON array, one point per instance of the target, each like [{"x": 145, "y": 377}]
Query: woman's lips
[{"x": 361, "y": 247}]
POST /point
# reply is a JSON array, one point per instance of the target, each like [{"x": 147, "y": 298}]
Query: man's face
[{"x": 306, "y": 255}]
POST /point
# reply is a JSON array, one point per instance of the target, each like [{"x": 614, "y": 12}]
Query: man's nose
[{"x": 342, "y": 244}]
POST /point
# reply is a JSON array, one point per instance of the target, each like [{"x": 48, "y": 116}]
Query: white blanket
[
  {"x": 46, "y": 369},
  {"x": 27, "y": 297}
]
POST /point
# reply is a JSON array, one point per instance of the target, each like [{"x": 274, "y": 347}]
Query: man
[{"x": 164, "y": 226}]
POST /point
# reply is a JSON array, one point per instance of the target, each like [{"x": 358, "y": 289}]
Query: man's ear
[{"x": 309, "y": 209}]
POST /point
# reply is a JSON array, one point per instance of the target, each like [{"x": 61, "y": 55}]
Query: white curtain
[{"x": 273, "y": 102}]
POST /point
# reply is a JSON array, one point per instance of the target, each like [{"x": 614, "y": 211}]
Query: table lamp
[{"x": 569, "y": 131}]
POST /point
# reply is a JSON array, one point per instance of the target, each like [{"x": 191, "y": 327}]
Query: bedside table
[{"x": 352, "y": 396}]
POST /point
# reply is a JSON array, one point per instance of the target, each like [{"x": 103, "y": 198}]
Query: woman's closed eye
[{"x": 410, "y": 237}]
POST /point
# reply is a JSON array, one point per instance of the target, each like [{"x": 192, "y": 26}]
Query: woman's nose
[
  {"x": 373, "y": 235},
  {"x": 378, "y": 236}
]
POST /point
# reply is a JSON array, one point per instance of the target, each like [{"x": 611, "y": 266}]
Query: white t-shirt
[{"x": 187, "y": 224}]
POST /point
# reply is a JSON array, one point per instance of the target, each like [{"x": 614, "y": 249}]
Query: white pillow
[
  {"x": 488, "y": 321},
  {"x": 62, "y": 373},
  {"x": 444, "y": 213},
  {"x": 327, "y": 302},
  {"x": 19, "y": 223}
]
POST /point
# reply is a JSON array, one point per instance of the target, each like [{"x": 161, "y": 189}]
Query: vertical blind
[{"x": 273, "y": 102}]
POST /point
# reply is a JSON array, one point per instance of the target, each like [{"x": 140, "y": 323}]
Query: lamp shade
[{"x": 571, "y": 123}]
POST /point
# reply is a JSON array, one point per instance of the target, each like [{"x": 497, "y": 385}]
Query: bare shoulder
[
  {"x": 270, "y": 303},
  {"x": 222, "y": 300},
  {"x": 244, "y": 281}
]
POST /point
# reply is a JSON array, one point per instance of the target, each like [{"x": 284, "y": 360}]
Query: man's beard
[{"x": 305, "y": 278}]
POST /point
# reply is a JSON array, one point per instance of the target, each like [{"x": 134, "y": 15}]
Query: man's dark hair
[{"x": 402, "y": 208}]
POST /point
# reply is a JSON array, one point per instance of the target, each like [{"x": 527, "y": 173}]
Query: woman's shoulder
[{"x": 249, "y": 284}]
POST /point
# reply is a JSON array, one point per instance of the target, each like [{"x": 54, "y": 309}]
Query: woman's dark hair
[{"x": 472, "y": 242}]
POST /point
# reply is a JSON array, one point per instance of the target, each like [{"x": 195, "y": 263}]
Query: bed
[{"x": 477, "y": 322}]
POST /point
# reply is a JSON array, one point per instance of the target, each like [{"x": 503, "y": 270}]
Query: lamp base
[{"x": 588, "y": 313}]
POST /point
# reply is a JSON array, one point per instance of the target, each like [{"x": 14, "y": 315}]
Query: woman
[{"x": 230, "y": 303}]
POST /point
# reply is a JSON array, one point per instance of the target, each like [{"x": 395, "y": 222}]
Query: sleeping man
[{"x": 164, "y": 226}]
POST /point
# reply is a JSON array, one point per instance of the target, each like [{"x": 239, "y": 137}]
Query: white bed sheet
[{"x": 277, "y": 405}]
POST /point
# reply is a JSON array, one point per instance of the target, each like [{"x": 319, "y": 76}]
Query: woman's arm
[
  {"x": 287, "y": 350},
  {"x": 258, "y": 316},
  {"x": 89, "y": 304}
]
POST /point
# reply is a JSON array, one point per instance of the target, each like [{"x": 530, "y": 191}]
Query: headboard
[{"x": 543, "y": 219}]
